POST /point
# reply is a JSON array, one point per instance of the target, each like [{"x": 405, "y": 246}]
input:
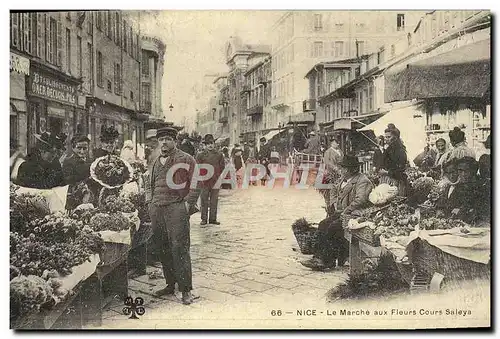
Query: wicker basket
[
  {"x": 430, "y": 259},
  {"x": 307, "y": 240}
]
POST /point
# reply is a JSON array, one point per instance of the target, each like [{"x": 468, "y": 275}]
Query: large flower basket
[
  {"x": 96, "y": 174},
  {"x": 306, "y": 235}
]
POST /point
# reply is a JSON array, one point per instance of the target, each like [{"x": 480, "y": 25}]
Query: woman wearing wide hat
[
  {"x": 108, "y": 138},
  {"x": 42, "y": 169}
]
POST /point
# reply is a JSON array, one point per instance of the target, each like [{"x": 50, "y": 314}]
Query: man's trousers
[{"x": 171, "y": 233}]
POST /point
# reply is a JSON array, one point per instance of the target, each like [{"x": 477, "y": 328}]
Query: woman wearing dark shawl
[{"x": 395, "y": 161}]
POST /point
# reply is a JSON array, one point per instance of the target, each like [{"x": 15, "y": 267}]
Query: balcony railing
[
  {"x": 257, "y": 109},
  {"x": 309, "y": 105}
]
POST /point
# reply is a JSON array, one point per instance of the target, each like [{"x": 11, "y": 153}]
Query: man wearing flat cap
[
  {"x": 210, "y": 195},
  {"x": 170, "y": 204}
]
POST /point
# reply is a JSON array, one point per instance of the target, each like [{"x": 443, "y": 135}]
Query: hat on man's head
[
  {"x": 45, "y": 141},
  {"x": 263, "y": 139},
  {"x": 456, "y": 135},
  {"x": 150, "y": 134},
  {"x": 350, "y": 161},
  {"x": 209, "y": 139},
  {"x": 166, "y": 132},
  {"x": 108, "y": 134},
  {"x": 312, "y": 133}
]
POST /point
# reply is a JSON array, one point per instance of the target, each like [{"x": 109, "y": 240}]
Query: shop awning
[
  {"x": 271, "y": 134},
  {"x": 410, "y": 122},
  {"x": 462, "y": 72},
  {"x": 221, "y": 140}
]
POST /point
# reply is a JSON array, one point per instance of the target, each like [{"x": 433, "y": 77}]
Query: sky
[{"x": 195, "y": 42}]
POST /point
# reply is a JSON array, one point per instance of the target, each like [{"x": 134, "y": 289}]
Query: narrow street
[{"x": 252, "y": 258}]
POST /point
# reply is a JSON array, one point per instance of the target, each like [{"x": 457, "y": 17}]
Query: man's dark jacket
[
  {"x": 38, "y": 173},
  {"x": 214, "y": 158}
]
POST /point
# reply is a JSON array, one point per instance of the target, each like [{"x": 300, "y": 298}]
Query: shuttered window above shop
[
  {"x": 99, "y": 70},
  {"x": 14, "y": 30},
  {"x": 51, "y": 41}
]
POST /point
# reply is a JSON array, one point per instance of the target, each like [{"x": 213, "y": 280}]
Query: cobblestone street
[{"x": 252, "y": 258}]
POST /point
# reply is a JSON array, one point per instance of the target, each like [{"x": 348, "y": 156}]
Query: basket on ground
[
  {"x": 306, "y": 235},
  {"x": 307, "y": 241}
]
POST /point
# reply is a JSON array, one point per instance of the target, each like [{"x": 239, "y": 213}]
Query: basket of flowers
[
  {"x": 111, "y": 172},
  {"x": 306, "y": 235}
]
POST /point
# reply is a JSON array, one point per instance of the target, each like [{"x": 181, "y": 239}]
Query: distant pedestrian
[{"x": 209, "y": 194}]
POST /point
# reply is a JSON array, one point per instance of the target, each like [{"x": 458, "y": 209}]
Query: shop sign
[
  {"x": 342, "y": 123},
  {"x": 48, "y": 87},
  {"x": 19, "y": 64}
]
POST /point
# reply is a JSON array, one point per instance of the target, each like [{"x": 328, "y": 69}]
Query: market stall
[
  {"x": 427, "y": 250},
  {"x": 407, "y": 239},
  {"x": 67, "y": 264}
]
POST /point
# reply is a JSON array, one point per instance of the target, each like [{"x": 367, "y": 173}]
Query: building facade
[
  {"x": 239, "y": 58},
  {"x": 74, "y": 72},
  {"x": 302, "y": 39},
  {"x": 153, "y": 58},
  {"x": 356, "y": 92},
  {"x": 256, "y": 98},
  {"x": 222, "y": 111}
]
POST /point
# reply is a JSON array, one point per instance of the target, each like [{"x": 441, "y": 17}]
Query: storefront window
[{"x": 55, "y": 125}]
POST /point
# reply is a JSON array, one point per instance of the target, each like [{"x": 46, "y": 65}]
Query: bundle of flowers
[
  {"x": 139, "y": 169},
  {"x": 113, "y": 203},
  {"x": 421, "y": 189},
  {"x": 25, "y": 207},
  {"x": 36, "y": 252},
  {"x": 413, "y": 173},
  {"x": 111, "y": 172},
  {"x": 110, "y": 222}
]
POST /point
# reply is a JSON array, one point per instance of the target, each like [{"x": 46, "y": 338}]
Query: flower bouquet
[{"x": 111, "y": 172}]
